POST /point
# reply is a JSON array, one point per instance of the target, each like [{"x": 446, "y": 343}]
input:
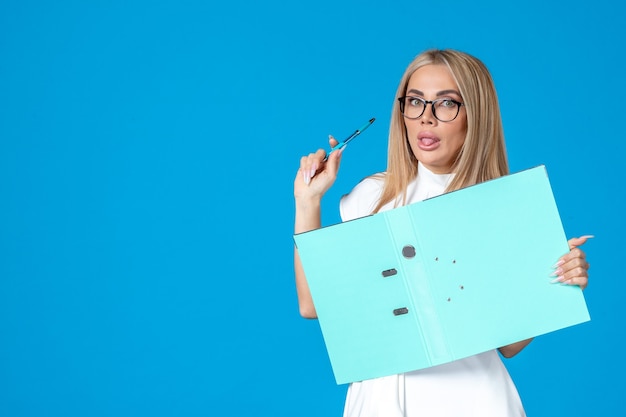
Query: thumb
[
  {"x": 578, "y": 241},
  {"x": 334, "y": 160}
]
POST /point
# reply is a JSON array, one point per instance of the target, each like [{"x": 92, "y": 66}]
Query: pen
[{"x": 349, "y": 138}]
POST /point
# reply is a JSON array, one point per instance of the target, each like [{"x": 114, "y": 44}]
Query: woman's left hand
[{"x": 572, "y": 268}]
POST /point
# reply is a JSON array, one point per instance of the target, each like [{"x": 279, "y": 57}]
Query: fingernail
[
  {"x": 587, "y": 237},
  {"x": 558, "y": 272},
  {"x": 557, "y": 279},
  {"x": 559, "y": 263}
]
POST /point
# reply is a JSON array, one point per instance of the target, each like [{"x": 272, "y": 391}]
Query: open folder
[{"x": 441, "y": 279}]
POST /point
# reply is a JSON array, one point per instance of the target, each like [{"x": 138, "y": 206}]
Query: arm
[
  {"x": 312, "y": 181},
  {"x": 513, "y": 349},
  {"x": 571, "y": 269},
  {"x": 308, "y": 217}
]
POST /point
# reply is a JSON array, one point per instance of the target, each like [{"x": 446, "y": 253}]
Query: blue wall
[{"x": 147, "y": 156}]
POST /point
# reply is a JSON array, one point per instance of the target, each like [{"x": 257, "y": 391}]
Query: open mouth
[{"x": 427, "y": 140}]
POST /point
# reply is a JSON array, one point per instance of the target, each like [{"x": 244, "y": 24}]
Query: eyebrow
[{"x": 439, "y": 94}]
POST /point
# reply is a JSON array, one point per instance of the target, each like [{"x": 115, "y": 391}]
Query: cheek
[
  {"x": 459, "y": 139},
  {"x": 458, "y": 134},
  {"x": 411, "y": 128}
]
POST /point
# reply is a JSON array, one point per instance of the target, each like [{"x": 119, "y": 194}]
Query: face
[{"x": 434, "y": 143}]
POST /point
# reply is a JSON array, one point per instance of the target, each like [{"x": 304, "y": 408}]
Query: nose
[{"x": 428, "y": 117}]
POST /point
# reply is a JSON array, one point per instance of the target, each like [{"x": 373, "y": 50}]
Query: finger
[
  {"x": 575, "y": 251},
  {"x": 310, "y": 164},
  {"x": 575, "y": 258},
  {"x": 582, "y": 282},
  {"x": 576, "y": 276},
  {"x": 334, "y": 160},
  {"x": 574, "y": 254},
  {"x": 578, "y": 271},
  {"x": 573, "y": 272},
  {"x": 333, "y": 144},
  {"x": 305, "y": 168},
  {"x": 578, "y": 241}
]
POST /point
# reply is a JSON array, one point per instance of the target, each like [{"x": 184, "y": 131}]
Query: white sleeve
[{"x": 362, "y": 199}]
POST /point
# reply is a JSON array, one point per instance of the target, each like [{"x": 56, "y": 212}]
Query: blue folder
[{"x": 442, "y": 279}]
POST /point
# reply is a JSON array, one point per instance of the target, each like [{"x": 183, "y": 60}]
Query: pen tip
[{"x": 372, "y": 119}]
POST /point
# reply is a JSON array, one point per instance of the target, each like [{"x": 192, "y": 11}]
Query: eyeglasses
[{"x": 444, "y": 109}]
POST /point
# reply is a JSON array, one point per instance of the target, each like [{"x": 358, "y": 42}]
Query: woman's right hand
[{"x": 315, "y": 175}]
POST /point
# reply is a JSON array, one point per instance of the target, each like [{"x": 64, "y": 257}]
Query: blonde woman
[{"x": 445, "y": 134}]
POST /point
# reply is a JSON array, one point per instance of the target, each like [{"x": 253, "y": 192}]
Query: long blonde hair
[{"x": 482, "y": 156}]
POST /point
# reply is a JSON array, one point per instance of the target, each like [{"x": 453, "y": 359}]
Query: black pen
[{"x": 349, "y": 138}]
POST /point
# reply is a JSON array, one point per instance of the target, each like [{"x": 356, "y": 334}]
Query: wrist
[
  {"x": 308, "y": 203},
  {"x": 308, "y": 214}
]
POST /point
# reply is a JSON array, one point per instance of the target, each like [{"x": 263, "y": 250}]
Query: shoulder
[{"x": 362, "y": 199}]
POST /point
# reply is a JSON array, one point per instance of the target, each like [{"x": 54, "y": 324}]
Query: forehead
[{"x": 432, "y": 78}]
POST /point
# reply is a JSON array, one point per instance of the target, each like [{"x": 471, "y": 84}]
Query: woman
[{"x": 445, "y": 134}]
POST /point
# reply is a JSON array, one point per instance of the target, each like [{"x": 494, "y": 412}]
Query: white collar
[{"x": 430, "y": 178}]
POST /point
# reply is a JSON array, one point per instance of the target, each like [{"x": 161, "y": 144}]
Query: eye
[
  {"x": 447, "y": 103},
  {"x": 414, "y": 102}
]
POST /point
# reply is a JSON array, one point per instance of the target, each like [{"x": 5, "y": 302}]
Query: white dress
[{"x": 477, "y": 386}]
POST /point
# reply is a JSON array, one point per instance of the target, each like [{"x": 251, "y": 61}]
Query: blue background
[{"x": 147, "y": 156}]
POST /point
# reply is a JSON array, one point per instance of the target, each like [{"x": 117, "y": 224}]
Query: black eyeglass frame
[{"x": 432, "y": 106}]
